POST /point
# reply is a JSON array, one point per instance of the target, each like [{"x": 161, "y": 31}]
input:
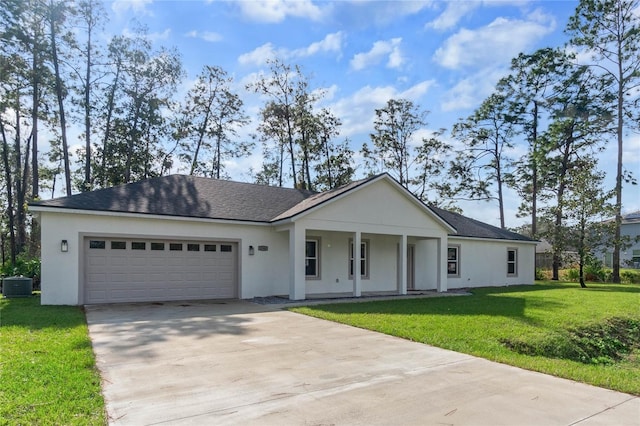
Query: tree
[
  {"x": 574, "y": 135},
  {"x": 479, "y": 169},
  {"x": 396, "y": 149},
  {"x": 210, "y": 118},
  {"x": 587, "y": 204},
  {"x": 289, "y": 120},
  {"x": 56, "y": 15},
  {"x": 610, "y": 30},
  {"x": 91, "y": 17},
  {"x": 532, "y": 81}
]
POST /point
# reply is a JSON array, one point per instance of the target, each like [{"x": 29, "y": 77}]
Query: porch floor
[{"x": 347, "y": 297}]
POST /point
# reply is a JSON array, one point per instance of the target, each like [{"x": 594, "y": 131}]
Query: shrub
[
  {"x": 540, "y": 274},
  {"x": 630, "y": 277},
  {"x": 25, "y": 266}
]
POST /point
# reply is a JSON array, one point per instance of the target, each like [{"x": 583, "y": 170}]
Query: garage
[{"x": 139, "y": 270}]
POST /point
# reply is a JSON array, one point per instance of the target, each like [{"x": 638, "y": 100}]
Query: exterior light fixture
[
  {"x": 64, "y": 246},
  {"x": 252, "y": 251}
]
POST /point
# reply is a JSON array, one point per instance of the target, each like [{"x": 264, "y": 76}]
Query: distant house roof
[
  {"x": 199, "y": 197},
  {"x": 467, "y": 227}
]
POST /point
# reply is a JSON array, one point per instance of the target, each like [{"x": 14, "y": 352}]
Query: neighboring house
[
  {"x": 183, "y": 237},
  {"x": 629, "y": 255}
]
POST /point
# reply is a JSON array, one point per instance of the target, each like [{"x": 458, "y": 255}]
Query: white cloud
[
  {"x": 274, "y": 11},
  {"x": 331, "y": 43},
  {"x": 378, "y": 51},
  {"x": 469, "y": 92},
  {"x": 500, "y": 41},
  {"x": 259, "y": 55},
  {"x": 205, "y": 35},
  {"x": 452, "y": 14},
  {"x": 138, "y": 7},
  {"x": 357, "y": 111}
]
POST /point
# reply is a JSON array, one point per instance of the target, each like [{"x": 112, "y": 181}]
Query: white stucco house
[
  {"x": 630, "y": 254},
  {"x": 182, "y": 237}
]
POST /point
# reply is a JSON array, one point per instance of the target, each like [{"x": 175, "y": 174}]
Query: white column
[
  {"x": 297, "y": 284},
  {"x": 357, "y": 288},
  {"x": 402, "y": 288},
  {"x": 442, "y": 265}
]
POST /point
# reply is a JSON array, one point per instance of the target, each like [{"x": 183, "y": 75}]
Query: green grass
[
  {"x": 47, "y": 366},
  {"x": 589, "y": 335}
]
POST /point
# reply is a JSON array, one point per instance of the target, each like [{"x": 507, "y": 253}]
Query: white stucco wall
[
  {"x": 483, "y": 263},
  {"x": 262, "y": 274}
]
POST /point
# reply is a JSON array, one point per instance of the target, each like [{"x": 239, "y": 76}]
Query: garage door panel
[{"x": 157, "y": 273}]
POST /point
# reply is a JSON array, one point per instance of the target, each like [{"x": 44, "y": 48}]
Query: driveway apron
[{"x": 224, "y": 363}]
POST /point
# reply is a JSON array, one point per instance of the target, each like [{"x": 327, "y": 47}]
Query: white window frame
[
  {"x": 364, "y": 272},
  {"x": 315, "y": 240},
  {"x": 456, "y": 247},
  {"x": 513, "y": 262}
]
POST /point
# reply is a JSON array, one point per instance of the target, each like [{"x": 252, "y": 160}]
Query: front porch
[{"x": 326, "y": 264}]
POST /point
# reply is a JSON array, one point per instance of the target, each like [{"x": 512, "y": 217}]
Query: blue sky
[{"x": 445, "y": 56}]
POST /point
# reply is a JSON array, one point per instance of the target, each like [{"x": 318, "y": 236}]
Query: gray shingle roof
[
  {"x": 198, "y": 197},
  {"x": 188, "y": 196},
  {"x": 467, "y": 227}
]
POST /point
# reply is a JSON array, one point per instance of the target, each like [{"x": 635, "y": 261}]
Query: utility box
[{"x": 17, "y": 287}]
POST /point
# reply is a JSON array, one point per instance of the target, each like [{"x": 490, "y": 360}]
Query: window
[
  {"x": 364, "y": 259},
  {"x": 96, "y": 244},
  {"x": 312, "y": 259},
  {"x": 512, "y": 262},
  {"x": 225, "y": 248},
  {"x": 453, "y": 261},
  {"x": 118, "y": 245},
  {"x": 175, "y": 247},
  {"x": 193, "y": 247},
  {"x": 635, "y": 259},
  {"x": 157, "y": 246},
  {"x": 138, "y": 245},
  {"x": 209, "y": 247}
]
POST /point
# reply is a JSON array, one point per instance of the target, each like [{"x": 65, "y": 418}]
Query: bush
[
  {"x": 572, "y": 275},
  {"x": 630, "y": 277},
  {"x": 25, "y": 266},
  {"x": 540, "y": 274}
]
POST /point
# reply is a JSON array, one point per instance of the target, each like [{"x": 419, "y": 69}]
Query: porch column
[
  {"x": 442, "y": 265},
  {"x": 357, "y": 241},
  {"x": 297, "y": 285},
  {"x": 402, "y": 276}
]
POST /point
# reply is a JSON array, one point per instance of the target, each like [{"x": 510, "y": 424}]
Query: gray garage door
[{"x": 140, "y": 270}]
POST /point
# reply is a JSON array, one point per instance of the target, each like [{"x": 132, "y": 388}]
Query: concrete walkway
[{"x": 205, "y": 363}]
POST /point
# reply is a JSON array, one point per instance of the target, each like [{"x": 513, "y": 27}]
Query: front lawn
[
  {"x": 47, "y": 367},
  {"x": 589, "y": 335}
]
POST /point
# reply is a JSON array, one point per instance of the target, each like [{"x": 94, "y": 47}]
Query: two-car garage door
[{"x": 140, "y": 270}]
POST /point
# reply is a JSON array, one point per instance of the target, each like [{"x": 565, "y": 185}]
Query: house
[
  {"x": 630, "y": 253},
  {"x": 183, "y": 237}
]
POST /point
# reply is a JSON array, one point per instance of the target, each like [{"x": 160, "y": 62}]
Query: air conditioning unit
[{"x": 17, "y": 287}]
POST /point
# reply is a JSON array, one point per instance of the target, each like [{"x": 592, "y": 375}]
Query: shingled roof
[
  {"x": 187, "y": 196},
  {"x": 198, "y": 197},
  {"x": 467, "y": 227}
]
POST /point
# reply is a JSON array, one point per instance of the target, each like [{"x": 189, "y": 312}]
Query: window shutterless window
[
  {"x": 312, "y": 259},
  {"x": 512, "y": 262},
  {"x": 364, "y": 259},
  {"x": 453, "y": 261}
]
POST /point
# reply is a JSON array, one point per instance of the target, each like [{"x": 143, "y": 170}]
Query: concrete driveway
[{"x": 240, "y": 363}]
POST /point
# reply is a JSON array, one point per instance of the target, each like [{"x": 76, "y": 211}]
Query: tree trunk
[
  {"x": 534, "y": 173},
  {"x": 60, "y": 97},
  {"x": 10, "y": 206},
  {"x": 34, "y": 120},
  {"x": 87, "y": 118},
  {"x": 615, "y": 275}
]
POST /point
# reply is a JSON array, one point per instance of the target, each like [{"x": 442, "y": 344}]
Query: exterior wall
[
  {"x": 376, "y": 209},
  {"x": 632, "y": 232},
  {"x": 334, "y": 263},
  {"x": 483, "y": 263},
  {"x": 262, "y": 274}
]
